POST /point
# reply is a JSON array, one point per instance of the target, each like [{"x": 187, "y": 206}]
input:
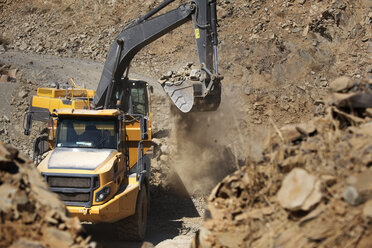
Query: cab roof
[{"x": 86, "y": 112}]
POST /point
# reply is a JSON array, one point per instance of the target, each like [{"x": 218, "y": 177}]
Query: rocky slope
[
  {"x": 312, "y": 188},
  {"x": 277, "y": 56}
]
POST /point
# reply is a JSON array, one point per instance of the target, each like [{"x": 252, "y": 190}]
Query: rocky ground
[{"x": 278, "y": 59}]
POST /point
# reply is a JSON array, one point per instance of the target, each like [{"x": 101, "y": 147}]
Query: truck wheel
[
  {"x": 148, "y": 200},
  {"x": 134, "y": 227}
]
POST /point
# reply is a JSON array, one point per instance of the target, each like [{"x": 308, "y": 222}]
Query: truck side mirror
[
  {"x": 27, "y": 123},
  {"x": 41, "y": 146},
  {"x": 151, "y": 89}
]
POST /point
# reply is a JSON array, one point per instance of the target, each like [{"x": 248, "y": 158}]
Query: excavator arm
[{"x": 201, "y": 95}]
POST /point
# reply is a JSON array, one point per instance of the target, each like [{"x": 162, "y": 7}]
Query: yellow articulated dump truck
[
  {"x": 93, "y": 153},
  {"x": 97, "y": 162}
]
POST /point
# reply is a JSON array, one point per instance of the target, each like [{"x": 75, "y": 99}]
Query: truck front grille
[
  {"x": 73, "y": 189},
  {"x": 74, "y": 197},
  {"x": 70, "y": 182}
]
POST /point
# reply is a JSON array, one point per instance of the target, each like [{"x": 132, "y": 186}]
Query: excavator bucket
[
  {"x": 210, "y": 102},
  {"x": 182, "y": 95},
  {"x": 187, "y": 96}
]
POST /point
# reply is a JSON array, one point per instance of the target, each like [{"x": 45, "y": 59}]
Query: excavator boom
[{"x": 201, "y": 95}]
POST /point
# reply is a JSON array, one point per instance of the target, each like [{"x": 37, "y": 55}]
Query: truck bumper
[{"x": 119, "y": 207}]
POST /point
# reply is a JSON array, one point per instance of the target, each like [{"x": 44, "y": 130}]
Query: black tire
[
  {"x": 148, "y": 200},
  {"x": 134, "y": 227}
]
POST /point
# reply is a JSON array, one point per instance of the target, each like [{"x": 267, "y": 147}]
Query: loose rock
[
  {"x": 341, "y": 84},
  {"x": 296, "y": 188}
]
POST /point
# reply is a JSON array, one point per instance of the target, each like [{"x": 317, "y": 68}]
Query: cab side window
[{"x": 138, "y": 96}]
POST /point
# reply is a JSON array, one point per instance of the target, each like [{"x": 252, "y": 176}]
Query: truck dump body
[{"x": 48, "y": 99}]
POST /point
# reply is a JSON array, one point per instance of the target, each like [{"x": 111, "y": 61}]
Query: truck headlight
[{"x": 102, "y": 194}]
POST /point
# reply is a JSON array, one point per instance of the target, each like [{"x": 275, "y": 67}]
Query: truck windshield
[{"x": 87, "y": 133}]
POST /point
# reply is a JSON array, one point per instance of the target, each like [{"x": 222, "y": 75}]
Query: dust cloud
[{"x": 210, "y": 145}]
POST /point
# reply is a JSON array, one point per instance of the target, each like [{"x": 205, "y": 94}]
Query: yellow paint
[
  {"x": 51, "y": 99},
  {"x": 197, "y": 33},
  {"x": 62, "y": 93}
]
